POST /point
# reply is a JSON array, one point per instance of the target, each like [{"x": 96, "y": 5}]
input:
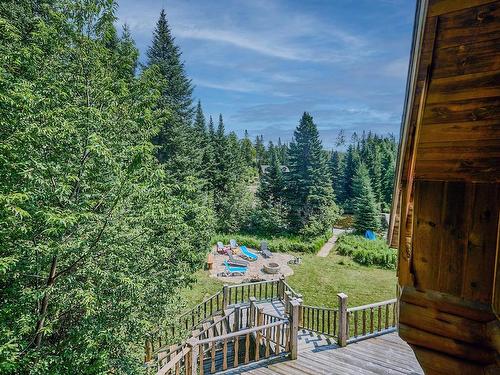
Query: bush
[
  {"x": 367, "y": 252},
  {"x": 283, "y": 244}
]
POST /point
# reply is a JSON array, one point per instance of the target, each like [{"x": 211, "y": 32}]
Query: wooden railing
[
  {"x": 319, "y": 319},
  {"x": 371, "y": 320},
  {"x": 261, "y": 290},
  {"x": 187, "y": 321}
]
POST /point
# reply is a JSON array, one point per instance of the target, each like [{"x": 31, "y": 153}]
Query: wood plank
[
  {"x": 472, "y": 134},
  {"x": 482, "y": 241},
  {"x": 467, "y": 151},
  {"x": 467, "y": 58},
  {"x": 439, "y": 7},
  {"x": 479, "y": 170},
  {"x": 469, "y": 86},
  {"x": 426, "y": 231},
  {"x": 469, "y": 111},
  {"x": 471, "y": 25}
]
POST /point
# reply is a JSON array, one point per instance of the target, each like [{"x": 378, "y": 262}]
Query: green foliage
[
  {"x": 82, "y": 195},
  {"x": 367, "y": 252},
  {"x": 283, "y": 244},
  {"x": 366, "y": 212},
  {"x": 309, "y": 188}
]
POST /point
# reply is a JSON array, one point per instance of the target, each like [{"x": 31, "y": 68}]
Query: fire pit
[{"x": 271, "y": 268}]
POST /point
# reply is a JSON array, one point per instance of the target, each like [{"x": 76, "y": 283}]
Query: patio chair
[
  {"x": 247, "y": 254},
  {"x": 233, "y": 244},
  {"x": 221, "y": 249},
  {"x": 236, "y": 262},
  {"x": 233, "y": 271},
  {"x": 264, "y": 250}
]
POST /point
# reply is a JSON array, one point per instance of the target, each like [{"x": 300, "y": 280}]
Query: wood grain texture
[{"x": 439, "y": 7}]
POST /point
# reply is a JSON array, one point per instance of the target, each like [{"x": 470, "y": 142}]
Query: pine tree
[
  {"x": 165, "y": 54},
  {"x": 309, "y": 189},
  {"x": 272, "y": 182},
  {"x": 352, "y": 161},
  {"x": 337, "y": 166},
  {"x": 128, "y": 55},
  {"x": 248, "y": 151},
  {"x": 260, "y": 151},
  {"x": 366, "y": 212},
  {"x": 175, "y": 137}
]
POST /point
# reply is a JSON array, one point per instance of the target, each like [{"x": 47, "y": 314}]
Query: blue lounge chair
[
  {"x": 233, "y": 271},
  {"x": 245, "y": 253}
]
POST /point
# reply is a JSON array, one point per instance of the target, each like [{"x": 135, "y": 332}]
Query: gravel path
[{"x": 328, "y": 246}]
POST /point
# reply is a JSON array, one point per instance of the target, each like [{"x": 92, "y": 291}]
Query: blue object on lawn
[
  {"x": 234, "y": 270},
  {"x": 247, "y": 253},
  {"x": 370, "y": 235}
]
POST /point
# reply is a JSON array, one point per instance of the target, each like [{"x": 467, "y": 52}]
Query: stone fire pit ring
[{"x": 271, "y": 268}]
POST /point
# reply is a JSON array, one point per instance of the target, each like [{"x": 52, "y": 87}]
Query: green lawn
[{"x": 319, "y": 280}]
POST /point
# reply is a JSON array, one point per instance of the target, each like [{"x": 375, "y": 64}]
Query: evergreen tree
[
  {"x": 337, "y": 166},
  {"x": 351, "y": 164},
  {"x": 310, "y": 192},
  {"x": 248, "y": 151},
  {"x": 165, "y": 54},
  {"x": 128, "y": 55},
  {"x": 366, "y": 212},
  {"x": 389, "y": 167},
  {"x": 176, "y": 135},
  {"x": 260, "y": 151},
  {"x": 272, "y": 183}
]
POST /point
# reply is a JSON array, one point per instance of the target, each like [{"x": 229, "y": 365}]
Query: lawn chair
[
  {"x": 264, "y": 250},
  {"x": 233, "y": 271},
  {"x": 233, "y": 244},
  {"x": 236, "y": 262},
  {"x": 247, "y": 254},
  {"x": 221, "y": 249}
]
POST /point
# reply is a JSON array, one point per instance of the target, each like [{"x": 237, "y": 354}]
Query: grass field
[{"x": 319, "y": 280}]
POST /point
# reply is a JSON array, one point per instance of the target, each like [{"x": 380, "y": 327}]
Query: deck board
[{"x": 386, "y": 354}]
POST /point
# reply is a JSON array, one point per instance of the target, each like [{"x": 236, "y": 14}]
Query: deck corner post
[
  {"x": 343, "y": 328},
  {"x": 225, "y": 297},
  {"x": 251, "y": 311},
  {"x": 294, "y": 328},
  {"x": 237, "y": 309},
  {"x": 192, "y": 365},
  {"x": 286, "y": 301},
  {"x": 281, "y": 287}
]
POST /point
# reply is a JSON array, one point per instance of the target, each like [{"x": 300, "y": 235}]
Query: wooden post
[
  {"x": 225, "y": 297},
  {"x": 342, "y": 338},
  {"x": 258, "y": 334},
  {"x": 236, "y": 325},
  {"x": 251, "y": 311},
  {"x": 301, "y": 312},
  {"x": 286, "y": 301},
  {"x": 294, "y": 328},
  {"x": 192, "y": 368},
  {"x": 281, "y": 287}
]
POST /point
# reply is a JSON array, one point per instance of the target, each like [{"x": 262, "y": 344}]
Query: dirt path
[{"x": 328, "y": 246}]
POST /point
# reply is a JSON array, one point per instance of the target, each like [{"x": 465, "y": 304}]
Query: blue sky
[{"x": 262, "y": 63}]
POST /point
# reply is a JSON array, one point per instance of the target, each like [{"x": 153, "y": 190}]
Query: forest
[{"x": 114, "y": 184}]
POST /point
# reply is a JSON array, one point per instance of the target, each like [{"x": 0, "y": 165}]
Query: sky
[{"x": 262, "y": 63}]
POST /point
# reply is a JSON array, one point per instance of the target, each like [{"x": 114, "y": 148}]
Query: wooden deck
[{"x": 386, "y": 354}]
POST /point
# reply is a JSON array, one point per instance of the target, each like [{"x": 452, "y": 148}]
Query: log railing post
[
  {"x": 236, "y": 325},
  {"x": 225, "y": 297},
  {"x": 251, "y": 311},
  {"x": 301, "y": 310},
  {"x": 281, "y": 287},
  {"x": 286, "y": 301},
  {"x": 192, "y": 363},
  {"x": 294, "y": 328},
  {"x": 343, "y": 328}
]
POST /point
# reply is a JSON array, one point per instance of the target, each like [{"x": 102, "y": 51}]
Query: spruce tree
[
  {"x": 309, "y": 189},
  {"x": 337, "y": 172},
  {"x": 166, "y": 56},
  {"x": 366, "y": 211},
  {"x": 175, "y": 137},
  {"x": 248, "y": 151},
  {"x": 352, "y": 161},
  {"x": 272, "y": 183},
  {"x": 260, "y": 151}
]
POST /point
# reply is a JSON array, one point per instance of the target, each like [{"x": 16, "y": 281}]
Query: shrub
[
  {"x": 367, "y": 252},
  {"x": 283, "y": 244}
]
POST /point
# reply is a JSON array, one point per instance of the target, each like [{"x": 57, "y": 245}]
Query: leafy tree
[
  {"x": 89, "y": 222},
  {"x": 366, "y": 212},
  {"x": 309, "y": 189}
]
